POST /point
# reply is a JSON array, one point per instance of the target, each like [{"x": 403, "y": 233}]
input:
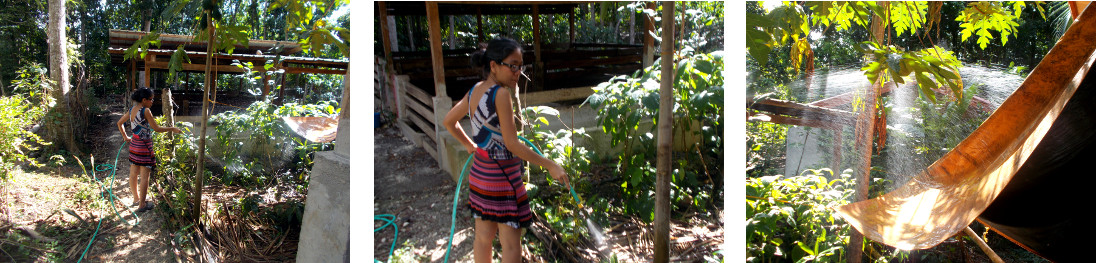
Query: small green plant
[
  {"x": 793, "y": 219},
  {"x": 625, "y": 103}
]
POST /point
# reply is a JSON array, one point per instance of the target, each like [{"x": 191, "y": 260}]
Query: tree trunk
[
  {"x": 665, "y": 137},
  {"x": 864, "y": 128},
  {"x": 197, "y": 191},
  {"x": 60, "y": 129}
]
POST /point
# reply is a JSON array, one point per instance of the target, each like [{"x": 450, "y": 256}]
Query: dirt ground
[
  {"x": 408, "y": 184},
  {"x": 46, "y": 199}
]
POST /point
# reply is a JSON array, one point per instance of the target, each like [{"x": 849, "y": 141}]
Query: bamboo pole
[
  {"x": 665, "y": 137},
  {"x": 982, "y": 244}
]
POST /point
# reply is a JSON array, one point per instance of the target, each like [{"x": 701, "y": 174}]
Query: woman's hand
[
  {"x": 558, "y": 173},
  {"x": 176, "y": 130},
  {"x": 470, "y": 149},
  {"x": 128, "y": 140}
]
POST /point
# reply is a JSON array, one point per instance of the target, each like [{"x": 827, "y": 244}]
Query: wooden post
[
  {"x": 437, "y": 59},
  {"x": 148, "y": 70},
  {"x": 479, "y": 26},
  {"x": 632, "y": 28},
  {"x": 665, "y": 137},
  {"x": 838, "y": 133},
  {"x": 132, "y": 80},
  {"x": 649, "y": 39},
  {"x": 169, "y": 113},
  {"x": 410, "y": 32},
  {"x": 384, "y": 35},
  {"x": 452, "y": 32},
  {"x": 538, "y": 74},
  {"x": 442, "y": 102},
  {"x": 571, "y": 28}
]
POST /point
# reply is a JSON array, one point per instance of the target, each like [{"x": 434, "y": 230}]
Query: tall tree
[{"x": 60, "y": 128}]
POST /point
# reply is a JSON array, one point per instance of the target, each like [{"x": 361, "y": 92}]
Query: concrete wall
[{"x": 325, "y": 230}]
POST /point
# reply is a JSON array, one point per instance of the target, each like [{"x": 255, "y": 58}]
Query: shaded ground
[{"x": 409, "y": 185}]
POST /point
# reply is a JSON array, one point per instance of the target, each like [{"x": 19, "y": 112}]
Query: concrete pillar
[{"x": 325, "y": 230}]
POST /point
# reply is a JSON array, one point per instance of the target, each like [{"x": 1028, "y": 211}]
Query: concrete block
[{"x": 325, "y": 232}]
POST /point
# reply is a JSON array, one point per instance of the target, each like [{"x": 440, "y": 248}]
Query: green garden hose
[
  {"x": 110, "y": 196},
  {"x": 390, "y": 220}
]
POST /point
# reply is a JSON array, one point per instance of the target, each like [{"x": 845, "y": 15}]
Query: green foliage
[
  {"x": 980, "y": 17},
  {"x": 558, "y": 146},
  {"x": 793, "y": 219},
  {"x": 16, "y": 117},
  {"x": 305, "y": 18},
  {"x": 140, "y": 48},
  {"x": 765, "y": 146},
  {"x": 625, "y": 103},
  {"x": 175, "y": 158},
  {"x": 895, "y": 64},
  {"x": 33, "y": 84},
  {"x": 250, "y": 143}
]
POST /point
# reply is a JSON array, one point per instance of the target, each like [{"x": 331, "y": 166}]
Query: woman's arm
[
  {"x": 122, "y": 121},
  {"x": 452, "y": 124},
  {"x": 510, "y": 138},
  {"x": 156, "y": 127}
]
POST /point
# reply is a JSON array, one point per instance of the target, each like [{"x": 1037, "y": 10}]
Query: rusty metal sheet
[
  {"x": 948, "y": 195},
  {"x": 315, "y": 129}
]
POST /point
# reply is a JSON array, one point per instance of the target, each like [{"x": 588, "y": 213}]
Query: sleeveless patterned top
[
  {"x": 139, "y": 125},
  {"x": 485, "y": 138}
]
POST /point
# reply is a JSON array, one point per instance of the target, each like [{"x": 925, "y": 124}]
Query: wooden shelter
[
  {"x": 258, "y": 52},
  {"x": 557, "y": 72}
]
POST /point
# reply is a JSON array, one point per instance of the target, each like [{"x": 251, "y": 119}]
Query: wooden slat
[
  {"x": 409, "y": 133},
  {"x": 420, "y": 95},
  {"x": 417, "y": 107},
  {"x": 423, "y": 125},
  {"x": 541, "y": 97},
  {"x": 315, "y": 71},
  {"x": 593, "y": 62},
  {"x": 804, "y": 111},
  {"x": 430, "y": 148}
]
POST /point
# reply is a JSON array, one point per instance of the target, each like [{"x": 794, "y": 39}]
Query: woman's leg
[
  {"x": 145, "y": 172},
  {"x": 134, "y": 171},
  {"x": 510, "y": 238},
  {"x": 485, "y": 235}
]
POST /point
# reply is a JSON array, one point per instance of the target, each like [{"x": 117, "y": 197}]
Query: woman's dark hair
[
  {"x": 496, "y": 50},
  {"x": 141, "y": 94}
]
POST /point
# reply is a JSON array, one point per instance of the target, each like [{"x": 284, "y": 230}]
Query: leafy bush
[
  {"x": 624, "y": 103},
  {"x": 16, "y": 117},
  {"x": 793, "y": 219},
  {"x": 253, "y": 144}
]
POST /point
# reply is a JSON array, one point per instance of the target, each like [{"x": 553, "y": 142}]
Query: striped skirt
[
  {"x": 497, "y": 192},
  {"x": 140, "y": 152}
]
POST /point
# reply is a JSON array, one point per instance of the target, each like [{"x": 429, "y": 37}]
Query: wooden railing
[{"x": 416, "y": 115}]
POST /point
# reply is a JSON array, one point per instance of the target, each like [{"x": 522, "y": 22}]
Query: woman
[
  {"x": 140, "y": 145},
  {"x": 498, "y": 200}
]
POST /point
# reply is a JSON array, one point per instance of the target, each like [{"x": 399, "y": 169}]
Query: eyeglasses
[{"x": 513, "y": 68}]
